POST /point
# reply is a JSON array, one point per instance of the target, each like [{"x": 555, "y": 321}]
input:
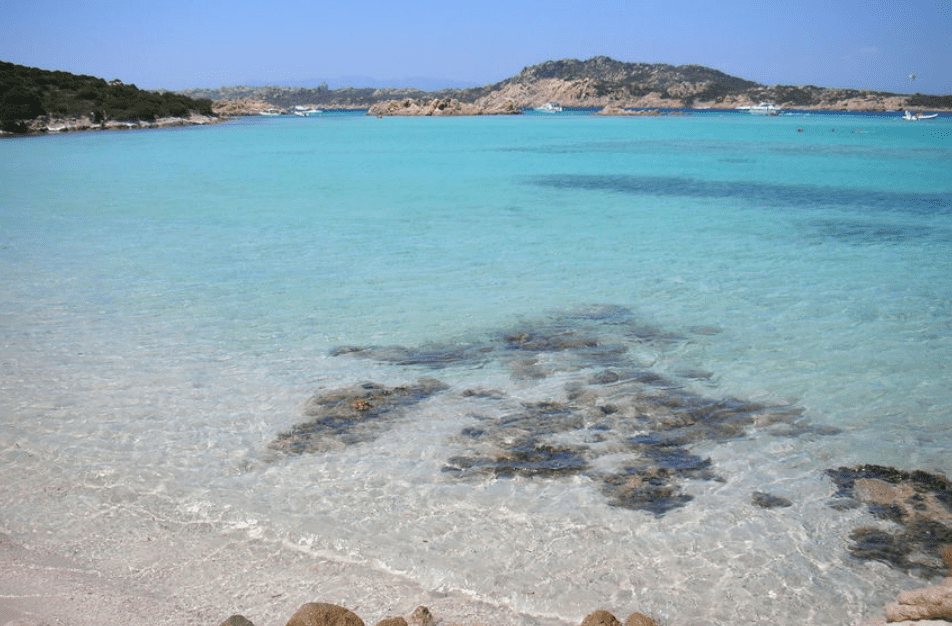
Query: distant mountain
[
  {"x": 597, "y": 82},
  {"x": 28, "y": 94}
]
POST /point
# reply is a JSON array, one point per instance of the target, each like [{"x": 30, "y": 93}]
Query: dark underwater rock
[
  {"x": 352, "y": 415},
  {"x": 769, "y": 501},
  {"x": 613, "y": 404},
  {"x": 917, "y": 503}
]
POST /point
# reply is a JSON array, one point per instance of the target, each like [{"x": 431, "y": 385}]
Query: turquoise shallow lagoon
[{"x": 173, "y": 298}]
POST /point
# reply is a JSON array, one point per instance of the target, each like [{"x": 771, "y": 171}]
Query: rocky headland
[
  {"x": 442, "y": 107},
  {"x": 36, "y": 101},
  {"x": 615, "y": 87}
]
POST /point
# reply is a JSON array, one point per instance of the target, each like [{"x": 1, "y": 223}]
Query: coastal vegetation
[{"x": 28, "y": 93}]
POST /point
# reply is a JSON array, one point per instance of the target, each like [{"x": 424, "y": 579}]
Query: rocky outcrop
[
  {"x": 46, "y": 124},
  {"x": 441, "y": 107},
  {"x": 614, "y": 110},
  {"x": 241, "y": 106},
  {"x": 922, "y": 604},
  {"x": 599, "y": 82}
]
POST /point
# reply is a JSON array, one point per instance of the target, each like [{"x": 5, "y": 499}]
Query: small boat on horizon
[
  {"x": 306, "y": 111},
  {"x": 914, "y": 117},
  {"x": 764, "y": 108},
  {"x": 549, "y": 107}
]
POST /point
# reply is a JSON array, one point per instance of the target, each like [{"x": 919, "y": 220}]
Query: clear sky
[{"x": 178, "y": 44}]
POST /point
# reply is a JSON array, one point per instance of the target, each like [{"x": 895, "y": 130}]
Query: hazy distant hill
[
  {"x": 598, "y": 82},
  {"x": 28, "y": 93}
]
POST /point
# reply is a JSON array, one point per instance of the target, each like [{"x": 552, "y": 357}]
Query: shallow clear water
[{"x": 173, "y": 298}]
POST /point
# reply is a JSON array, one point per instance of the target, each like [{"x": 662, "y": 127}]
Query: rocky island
[
  {"x": 598, "y": 83},
  {"x": 37, "y": 101}
]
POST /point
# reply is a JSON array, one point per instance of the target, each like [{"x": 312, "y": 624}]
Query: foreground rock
[
  {"x": 323, "y": 614},
  {"x": 927, "y": 603}
]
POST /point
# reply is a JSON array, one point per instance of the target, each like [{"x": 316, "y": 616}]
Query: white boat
[
  {"x": 765, "y": 108},
  {"x": 913, "y": 117},
  {"x": 270, "y": 112},
  {"x": 549, "y": 107},
  {"x": 305, "y": 111}
]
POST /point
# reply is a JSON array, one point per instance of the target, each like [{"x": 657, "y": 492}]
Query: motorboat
[
  {"x": 270, "y": 112},
  {"x": 549, "y": 107},
  {"x": 305, "y": 111},
  {"x": 914, "y": 117},
  {"x": 765, "y": 108}
]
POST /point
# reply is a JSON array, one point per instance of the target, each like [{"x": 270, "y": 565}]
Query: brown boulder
[
  {"x": 918, "y": 604},
  {"x": 392, "y": 621},
  {"x": 637, "y": 619},
  {"x": 422, "y": 617},
  {"x": 322, "y": 614},
  {"x": 600, "y": 618},
  {"x": 237, "y": 620}
]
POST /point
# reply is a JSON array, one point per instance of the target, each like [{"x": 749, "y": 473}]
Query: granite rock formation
[
  {"x": 444, "y": 107},
  {"x": 920, "y": 604}
]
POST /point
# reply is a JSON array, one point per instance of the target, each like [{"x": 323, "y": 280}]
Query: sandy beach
[{"x": 137, "y": 580}]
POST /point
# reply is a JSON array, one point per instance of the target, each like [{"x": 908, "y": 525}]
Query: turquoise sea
[{"x": 515, "y": 369}]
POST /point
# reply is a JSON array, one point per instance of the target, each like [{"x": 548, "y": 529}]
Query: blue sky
[{"x": 174, "y": 44}]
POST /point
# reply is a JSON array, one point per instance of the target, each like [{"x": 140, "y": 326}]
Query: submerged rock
[
  {"x": 919, "y": 505},
  {"x": 352, "y": 415},
  {"x": 613, "y": 404},
  {"x": 769, "y": 501}
]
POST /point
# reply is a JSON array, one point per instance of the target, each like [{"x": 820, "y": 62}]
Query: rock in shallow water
[
  {"x": 769, "y": 501},
  {"x": 323, "y": 614},
  {"x": 605, "y": 618},
  {"x": 918, "y": 604},
  {"x": 917, "y": 502},
  {"x": 600, "y": 618},
  {"x": 352, "y": 415}
]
